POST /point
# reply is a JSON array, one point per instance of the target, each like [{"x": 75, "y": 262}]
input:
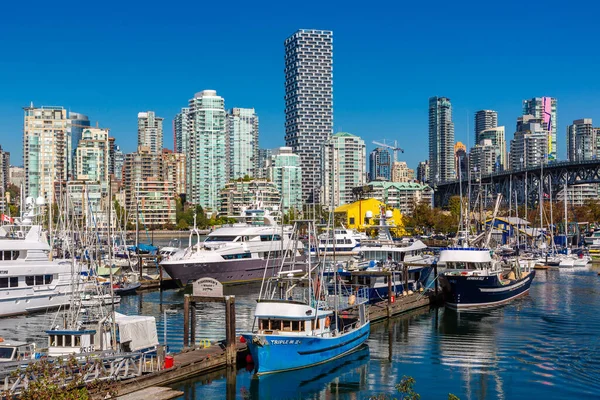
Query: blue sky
[{"x": 110, "y": 60}]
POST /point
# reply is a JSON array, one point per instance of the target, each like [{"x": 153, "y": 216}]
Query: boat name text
[{"x": 286, "y": 341}]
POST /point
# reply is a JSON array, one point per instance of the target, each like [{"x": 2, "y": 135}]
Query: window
[
  {"x": 351, "y": 221},
  {"x": 14, "y": 281},
  {"x": 29, "y": 280},
  {"x": 264, "y": 324},
  {"x": 68, "y": 342},
  {"x": 48, "y": 279},
  {"x": 39, "y": 279},
  {"x": 3, "y": 282},
  {"x": 296, "y": 326}
]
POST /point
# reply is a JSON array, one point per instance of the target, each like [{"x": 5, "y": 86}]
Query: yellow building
[{"x": 363, "y": 215}]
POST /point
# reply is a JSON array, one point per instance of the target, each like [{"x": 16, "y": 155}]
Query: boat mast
[
  {"x": 565, "y": 198},
  {"x": 113, "y": 329}
]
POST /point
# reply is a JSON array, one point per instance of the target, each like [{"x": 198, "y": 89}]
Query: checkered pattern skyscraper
[{"x": 309, "y": 102}]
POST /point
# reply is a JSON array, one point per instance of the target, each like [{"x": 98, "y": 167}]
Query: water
[{"x": 544, "y": 345}]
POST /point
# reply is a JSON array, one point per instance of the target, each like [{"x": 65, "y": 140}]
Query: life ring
[{"x": 327, "y": 322}]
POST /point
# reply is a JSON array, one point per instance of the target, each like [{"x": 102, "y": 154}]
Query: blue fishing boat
[
  {"x": 474, "y": 279},
  {"x": 301, "y": 321},
  {"x": 309, "y": 382}
]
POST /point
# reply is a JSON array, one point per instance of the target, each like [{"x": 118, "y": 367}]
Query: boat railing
[{"x": 348, "y": 296}]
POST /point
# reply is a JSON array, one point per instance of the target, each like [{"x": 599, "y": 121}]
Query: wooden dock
[
  {"x": 153, "y": 392},
  {"x": 185, "y": 365},
  {"x": 403, "y": 304}
]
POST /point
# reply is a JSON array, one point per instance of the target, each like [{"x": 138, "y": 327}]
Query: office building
[
  {"x": 75, "y": 126},
  {"x": 4, "y": 177},
  {"x": 461, "y": 161},
  {"x": 343, "y": 168},
  {"x": 44, "y": 150},
  {"x": 286, "y": 173},
  {"x": 441, "y": 140},
  {"x": 207, "y": 154},
  {"x": 309, "y": 102},
  {"x": 119, "y": 160},
  {"x": 242, "y": 149},
  {"x": 544, "y": 109},
  {"x": 264, "y": 158},
  {"x": 149, "y": 197},
  {"x": 423, "y": 171},
  {"x": 254, "y": 194},
  {"x": 530, "y": 143},
  {"x": 401, "y": 172},
  {"x": 174, "y": 165},
  {"x": 181, "y": 131},
  {"x": 484, "y": 119},
  {"x": 497, "y": 137},
  {"x": 17, "y": 176},
  {"x": 150, "y": 131},
  {"x": 380, "y": 164},
  {"x": 483, "y": 158},
  {"x": 582, "y": 140}
]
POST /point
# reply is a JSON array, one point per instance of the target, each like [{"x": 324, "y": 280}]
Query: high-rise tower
[
  {"x": 242, "y": 149},
  {"x": 441, "y": 140},
  {"x": 309, "y": 102},
  {"x": 45, "y": 150},
  {"x": 484, "y": 119},
  {"x": 207, "y": 155},
  {"x": 150, "y": 131},
  {"x": 344, "y": 167},
  {"x": 544, "y": 108}
]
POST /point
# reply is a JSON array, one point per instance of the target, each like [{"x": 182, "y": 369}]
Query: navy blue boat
[{"x": 473, "y": 279}]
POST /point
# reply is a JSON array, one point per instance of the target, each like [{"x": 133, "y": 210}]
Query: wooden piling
[
  {"x": 186, "y": 320},
  {"x": 230, "y": 329},
  {"x": 435, "y": 275},
  {"x": 193, "y": 323}
]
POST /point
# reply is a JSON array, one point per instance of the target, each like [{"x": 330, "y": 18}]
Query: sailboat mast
[
  {"x": 565, "y": 198},
  {"x": 113, "y": 328}
]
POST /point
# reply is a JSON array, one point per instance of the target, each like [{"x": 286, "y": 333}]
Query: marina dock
[
  {"x": 201, "y": 361},
  {"x": 186, "y": 364}
]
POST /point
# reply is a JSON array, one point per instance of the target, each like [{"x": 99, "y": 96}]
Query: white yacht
[
  {"x": 340, "y": 240},
  {"x": 235, "y": 253},
  {"x": 29, "y": 280}
]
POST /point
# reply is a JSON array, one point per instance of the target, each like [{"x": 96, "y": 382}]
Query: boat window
[
  {"x": 8, "y": 255},
  {"x": 286, "y": 326},
  {"x": 77, "y": 341},
  {"x": 276, "y": 325},
  {"x": 351, "y": 221},
  {"x": 6, "y": 353},
  {"x": 91, "y": 339},
  {"x": 296, "y": 326},
  {"x": 237, "y": 256},
  {"x": 29, "y": 280},
  {"x": 68, "y": 341},
  {"x": 14, "y": 281},
  {"x": 3, "y": 282},
  {"x": 348, "y": 241},
  {"x": 51, "y": 340},
  {"x": 264, "y": 324},
  {"x": 48, "y": 279},
  {"x": 339, "y": 241},
  {"x": 39, "y": 279},
  {"x": 221, "y": 238}
]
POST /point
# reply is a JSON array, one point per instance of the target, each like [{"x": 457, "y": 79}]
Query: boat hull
[
  {"x": 472, "y": 292},
  {"x": 226, "y": 272},
  {"x": 278, "y": 353}
]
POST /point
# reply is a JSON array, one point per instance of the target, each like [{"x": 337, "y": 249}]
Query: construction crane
[{"x": 394, "y": 148}]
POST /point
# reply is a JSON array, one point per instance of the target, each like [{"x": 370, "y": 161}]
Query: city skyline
[{"x": 364, "y": 61}]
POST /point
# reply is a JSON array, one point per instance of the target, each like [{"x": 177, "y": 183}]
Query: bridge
[{"x": 524, "y": 184}]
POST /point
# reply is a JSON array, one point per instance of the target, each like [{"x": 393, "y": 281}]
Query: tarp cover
[{"x": 139, "y": 329}]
